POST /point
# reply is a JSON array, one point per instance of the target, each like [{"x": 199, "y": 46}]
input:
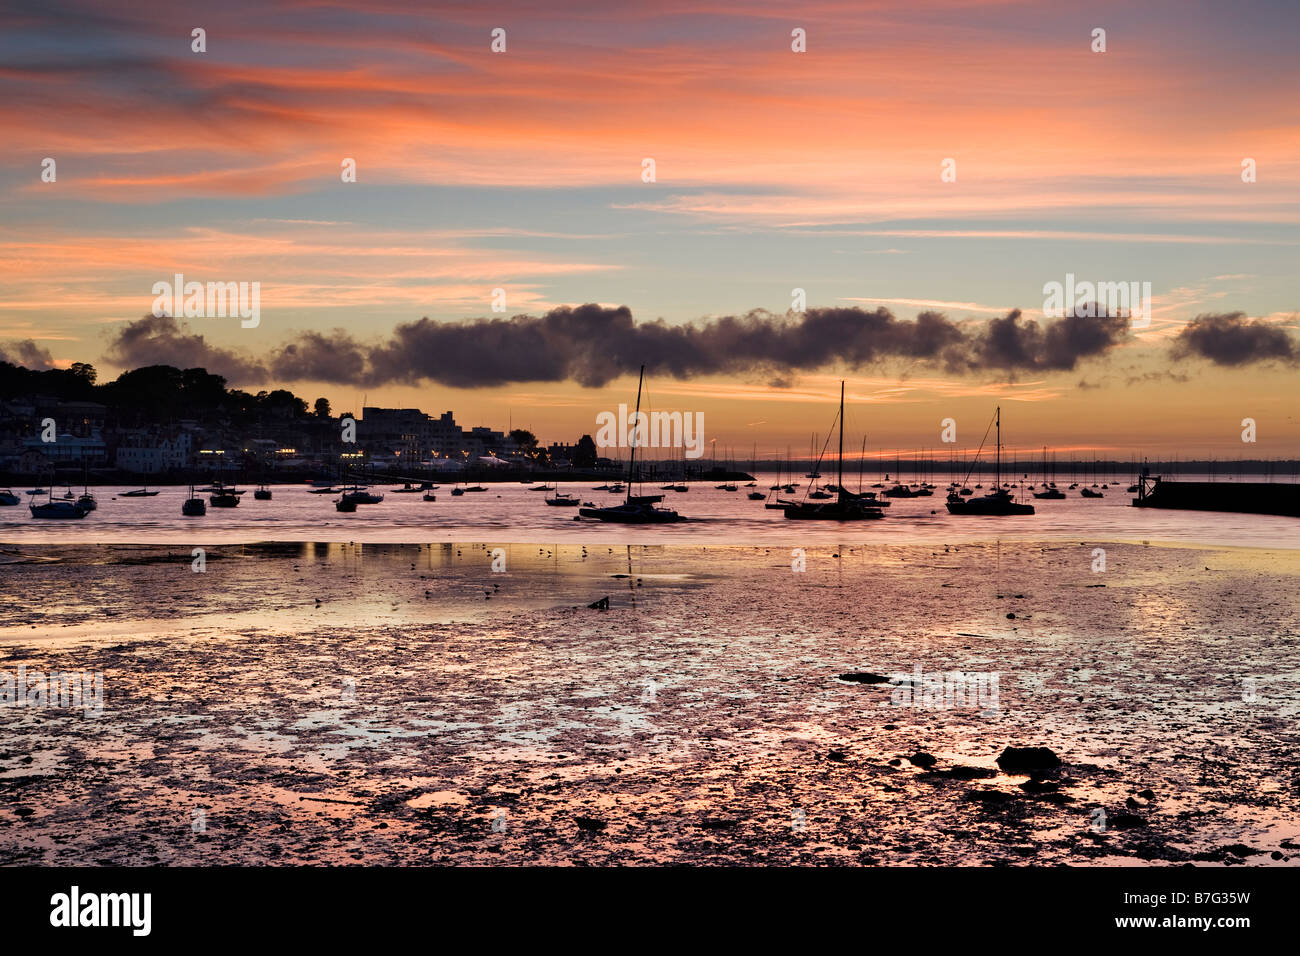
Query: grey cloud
[
  {"x": 593, "y": 344},
  {"x": 1229, "y": 338},
  {"x": 27, "y": 354}
]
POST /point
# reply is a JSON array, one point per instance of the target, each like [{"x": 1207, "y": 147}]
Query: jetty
[{"x": 1244, "y": 497}]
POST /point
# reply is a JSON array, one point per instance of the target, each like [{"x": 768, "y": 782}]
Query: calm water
[{"x": 511, "y": 512}]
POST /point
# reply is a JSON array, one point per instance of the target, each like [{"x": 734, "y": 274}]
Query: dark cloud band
[{"x": 592, "y": 344}]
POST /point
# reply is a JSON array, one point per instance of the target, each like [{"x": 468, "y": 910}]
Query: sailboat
[
  {"x": 812, "y": 455},
  {"x": 143, "y": 492},
  {"x": 999, "y": 500},
  {"x": 223, "y": 495},
  {"x": 58, "y": 509},
  {"x": 682, "y": 486},
  {"x": 727, "y": 483},
  {"x": 1051, "y": 491},
  {"x": 846, "y": 506},
  {"x": 194, "y": 506},
  {"x": 86, "y": 499},
  {"x": 634, "y": 509},
  {"x": 780, "y": 473},
  {"x": 361, "y": 496}
]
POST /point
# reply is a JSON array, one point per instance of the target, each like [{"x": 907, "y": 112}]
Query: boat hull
[
  {"x": 988, "y": 507},
  {"x": 832, "y": 512},
  {"x": 632, "y": 514},
  {"x": 58, "y": 510}
]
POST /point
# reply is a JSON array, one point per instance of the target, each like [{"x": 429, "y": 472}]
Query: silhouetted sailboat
[
  {"x": 999, "y": 500},
  {"x": 193, "y": 506},
  {"x": 57, "y": 509},
  {"x": 1050, "y": 492},
  {"x": 846, "y": 506},
  {"x": 223, "y": 496},
  {"x": 634, "y": 509}
]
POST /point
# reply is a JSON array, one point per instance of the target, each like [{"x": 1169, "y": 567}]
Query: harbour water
[{"x": 510, "y": 512}]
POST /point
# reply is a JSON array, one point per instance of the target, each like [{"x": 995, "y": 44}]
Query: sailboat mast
[
  {"x": 839, "y": 478},
  {"x": 998, "y": 466},
  {"x": 862, "y": 462},
  {"x": 636, "y": 437}
]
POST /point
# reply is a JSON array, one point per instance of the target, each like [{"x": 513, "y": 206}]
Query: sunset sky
[{"x": 774, "y": 170}]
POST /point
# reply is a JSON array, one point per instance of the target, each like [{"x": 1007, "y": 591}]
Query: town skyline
[{"x": 143, "y": 412}]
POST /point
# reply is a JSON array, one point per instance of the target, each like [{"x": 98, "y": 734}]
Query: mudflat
[{"x": 300, "y": 703}]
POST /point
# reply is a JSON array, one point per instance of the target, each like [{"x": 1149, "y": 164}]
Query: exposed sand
[{"x": 413, "y": 718}]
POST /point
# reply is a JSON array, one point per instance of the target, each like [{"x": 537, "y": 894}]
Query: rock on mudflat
[
  {"x": 1025, "y": 759},
  {"x": 864, "y": 678},
  {"x": 923, "y": 760}
]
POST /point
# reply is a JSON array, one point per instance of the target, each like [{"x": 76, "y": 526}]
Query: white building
[{"x": 144, "y": 455}]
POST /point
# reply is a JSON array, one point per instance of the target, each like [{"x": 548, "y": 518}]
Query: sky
[{"x": 920, "y": 171}]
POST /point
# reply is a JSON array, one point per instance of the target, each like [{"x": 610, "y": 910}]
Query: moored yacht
[
  {"x": 999, "y": 501},
  {"x": 635, "y": 509},
  {"x": 846, "y": 506}
]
